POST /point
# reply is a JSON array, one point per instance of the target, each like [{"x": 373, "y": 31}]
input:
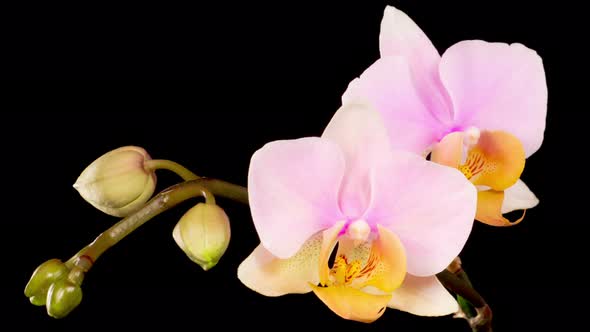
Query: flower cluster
[
  {"x": 369, "y": 215},
  {"x": 422, "y": 145}
]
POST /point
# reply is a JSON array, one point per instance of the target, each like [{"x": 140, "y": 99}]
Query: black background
[{"x": 256, "y": 73}]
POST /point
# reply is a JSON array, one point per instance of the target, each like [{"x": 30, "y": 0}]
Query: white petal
[
  {"x": 518, "y": 197},
  {"x": 423, "y": 296},
  {"x": 272, "y": 276}
]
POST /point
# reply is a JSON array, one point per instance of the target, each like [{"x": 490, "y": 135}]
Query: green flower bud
[
  {"x": 117, "y": 183},
  {"x": 62, "y": 298},
  {"x": 203, "y": 233},
  {"x": 42, "y": 278}
]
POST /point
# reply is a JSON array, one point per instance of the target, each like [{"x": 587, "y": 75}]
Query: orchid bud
[
  {"x": 63, "y": 297},
  {"x": 45, "y": 275},
  {"x": 117, "y": 183},
  {"x": 203, "y": 233}
]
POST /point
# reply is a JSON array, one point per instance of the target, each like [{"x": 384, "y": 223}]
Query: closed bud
[
  {"x": 117, "y": 183},
  {"x": 42, "y": 278},
  {"x": 203, "y": 233},
  {"x": 63, "y": 297}
]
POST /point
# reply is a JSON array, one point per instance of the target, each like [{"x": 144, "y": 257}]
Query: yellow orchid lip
[
  {"x": 489, "y": 207},
  {"x": 351, "y": 303},
  {"x": 379, "y": 263},
  {"x": 495, "y": 159}
]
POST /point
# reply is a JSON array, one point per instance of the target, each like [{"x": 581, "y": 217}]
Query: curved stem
[
  {"x": 217, "y": 187},
  {"x": 225, "y": 189},
  {"x": 183, "y": 172},
  {"x": 165, "y": 200}
]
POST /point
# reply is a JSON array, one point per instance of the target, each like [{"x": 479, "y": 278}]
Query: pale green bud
[
  {"x": 42, "y": 278},
  {"x": 63, "y": 297},
  {"x": 117, "y": 183},
  {"x": 203, "y": 233}
]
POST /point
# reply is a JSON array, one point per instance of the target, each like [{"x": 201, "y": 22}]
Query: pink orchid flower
[
  {"x": 479, "y": 107},
  {"x": 397, "y": 218}
]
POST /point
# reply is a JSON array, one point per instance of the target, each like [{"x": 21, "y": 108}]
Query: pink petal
[
  {"x": 293, "y": 191},
  {"x": 389, "y": 87},
  {"x": 429, "y": 206},
  {"x": 423, "y": 296},
  {"x": 496, "y": 86},
  {"x": 400, "y": 36},
  {"x": 360, "y": 133}
]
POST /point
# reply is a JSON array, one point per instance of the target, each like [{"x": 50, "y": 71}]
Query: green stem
[
  {"x": 163, "y": 201},
  {"x": 482, "y": 321},
  {"x": 465, "y": 305},
  {"x": 217, "y": 187},
  {"x": 456, "y": 285},
  {"x": 183, "y": 172},
  {"x": 225, "y": 189}
]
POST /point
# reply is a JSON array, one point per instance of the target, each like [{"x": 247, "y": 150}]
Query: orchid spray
[{"x": 372, "y": 213}]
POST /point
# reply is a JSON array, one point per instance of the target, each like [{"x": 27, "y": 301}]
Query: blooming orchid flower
[
  {"x": 480, "y": 107},
  {"x": 397, "y": 218}
]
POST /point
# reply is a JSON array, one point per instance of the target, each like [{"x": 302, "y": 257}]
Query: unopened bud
[
  {"x": 63, "y": 297},
  {"x": 117, "y": 183},
  {"x": 42, "y": 278},
  {"x": 203, "y": 233}
]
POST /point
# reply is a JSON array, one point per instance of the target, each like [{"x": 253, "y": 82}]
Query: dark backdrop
[{"x": 257, "y": 73}]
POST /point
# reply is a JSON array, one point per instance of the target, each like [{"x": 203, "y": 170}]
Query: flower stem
[
  {"x": 183, "y": 172},
  {"x": 482, "y": 321},
  {"x": 456, "y": 285},
  {"x": 225, "y": 189},
  {"x": 217, "y": 187},
  {"x": 165, "y": 200}
]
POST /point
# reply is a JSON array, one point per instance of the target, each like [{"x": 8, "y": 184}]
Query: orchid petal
[
  {"x": 360, "y": 133},
  {"x": 351, "y": 303},
  {"x": 497, "y": 161},
  {"x": 496, "y": 86},
  {"x": 400, "y": 36},
  {"x": 489, "y": 209},
  {"x": 518, "y": 197},
  {"x": 293, "y": 191},
  {"x": 449, "y": 150},
  {"x": 423, "y": 296},
  {"x": 388, "y": 86},
  {"x": 272, "y": 276},
  {"x": 429, "y": 206}
]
